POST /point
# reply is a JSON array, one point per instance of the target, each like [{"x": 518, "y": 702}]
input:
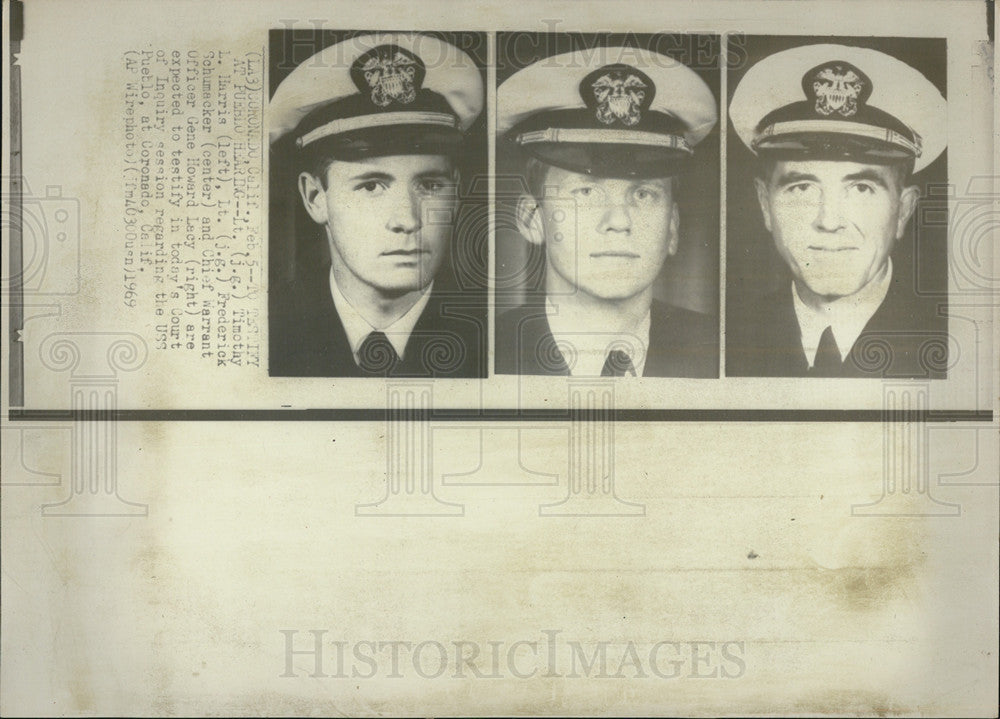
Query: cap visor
[
  {"x": 392, "y": 140},
  {"x": 833, "y": 146},
  {"x": 611, "y": 160}
]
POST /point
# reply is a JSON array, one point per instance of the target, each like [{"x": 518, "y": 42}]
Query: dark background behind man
[
  {"x": 690, "y": 278},
  {"x": 753, "y": 266},
  {"x": 296, "y": 243}
]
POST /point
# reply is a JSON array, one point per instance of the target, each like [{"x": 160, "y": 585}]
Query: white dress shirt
[
  {"x": 846, "y": 316},
  {"x": 585, "y": 350},
  {"x": 358, "y": 328}
]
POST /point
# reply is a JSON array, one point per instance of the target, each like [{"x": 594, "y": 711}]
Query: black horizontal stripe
[{"x": 499, "y": 415}]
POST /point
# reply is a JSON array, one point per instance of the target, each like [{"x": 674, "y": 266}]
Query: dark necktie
[
  {"x": 618, "y": 364},
  {"x": 377, "y": 356},
  {"x": 827, "y": 363}
]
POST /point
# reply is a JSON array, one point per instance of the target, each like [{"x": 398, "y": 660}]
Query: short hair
[
  {"x": 535, "y": 173},
  {"x": 901, "y": 169},
  {"x": 316, "y": 164}
]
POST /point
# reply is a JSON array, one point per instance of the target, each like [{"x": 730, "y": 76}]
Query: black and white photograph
[
  {"x": 537, "y": 359},
  {"x": 837, "y": 146},
  {"x": 607, "y": 205},
  {"x": 377, "y": 266}
]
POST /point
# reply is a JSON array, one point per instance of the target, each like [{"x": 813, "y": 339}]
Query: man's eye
[
  {"x": 434, "y": 187},
  {"x": 582, "y": 191},
  {"x": 372, "y": 187},
  {"x": 864, "y": 188},
  {"x": 799, "y": 187},
  {"x": 644, "y": 194}
]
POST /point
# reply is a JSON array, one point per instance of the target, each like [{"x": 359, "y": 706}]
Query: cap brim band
[
  {"x": 604, "y": 137},
  {"x": 837, "y": 127},
  {"x": 611, "y": 160},
  {"x": 382, "y": 119}
]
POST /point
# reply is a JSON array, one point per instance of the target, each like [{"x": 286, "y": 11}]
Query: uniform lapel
[
  {"x": 781, "y": 338},
  {"x": 329, "y": 349}
]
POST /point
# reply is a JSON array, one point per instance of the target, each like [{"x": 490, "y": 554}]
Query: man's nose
[
  {"x": 617, "y": 217},
  {"x": 830, "y": 214},
  {"x": 405, "y": 217}
]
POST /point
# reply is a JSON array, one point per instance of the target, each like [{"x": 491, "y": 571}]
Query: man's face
[
  {"x": 834, "y": 222},
  {"x": 606, "y": 237},
  {"x": 388, "y": 219}
]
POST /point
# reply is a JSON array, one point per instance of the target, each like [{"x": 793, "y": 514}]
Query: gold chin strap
[
  {"x": 841, "y": 127},
  {"x": 381, "y": 119},
  {"x": 605, "y": 137}
]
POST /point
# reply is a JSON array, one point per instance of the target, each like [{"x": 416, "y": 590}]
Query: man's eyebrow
[
  {"x": 870, "y": 176},
  {"x": 434, "y": 174},
  {"x": 657, "y": 181},
  {"x": 372, "y": 175},
  {"x": 790, "y": 178}
]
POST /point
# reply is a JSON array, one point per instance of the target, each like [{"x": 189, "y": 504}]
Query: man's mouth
[
  {"x": 611, "y": 253},
  {"x": 406, "y": 253},
  {"x": 824, "y": 248}
]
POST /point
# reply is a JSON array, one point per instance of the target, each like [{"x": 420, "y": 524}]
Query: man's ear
[
  {"x": 313, "y": 197},
  {"x": 764, "y": 199},
  {"x": 529, "y": 220},
  {"x": 675, "y": 231},
  {"x": 907, "y": 204}
]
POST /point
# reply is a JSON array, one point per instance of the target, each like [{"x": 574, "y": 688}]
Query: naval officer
[
  {"x": 376, "y": 123},
  {"x": 838, "y": 132},
  {"x": 604, "y": 145}
]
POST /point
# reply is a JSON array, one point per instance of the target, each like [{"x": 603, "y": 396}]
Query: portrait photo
[
  {"x": 378, "y": 244},
  {"x": 607, "y": 205},
  {"x": 836, "y": 155}
]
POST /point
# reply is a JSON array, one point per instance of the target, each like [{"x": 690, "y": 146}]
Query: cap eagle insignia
[
  {"x": 619, "y": 95},
  {"x": 391, "y": 73},
  {"x": 837, "y": 88}
]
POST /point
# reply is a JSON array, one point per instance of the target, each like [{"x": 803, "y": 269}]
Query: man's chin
[
  {"x": 401, "y": 289},
  {"x": 612, "y": 293},
  {"x": 402, "y": 280},
  {"x": 832, "y": 291}
]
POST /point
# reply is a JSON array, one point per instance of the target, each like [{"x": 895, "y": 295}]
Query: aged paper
[{"x": 191, "y": 528}]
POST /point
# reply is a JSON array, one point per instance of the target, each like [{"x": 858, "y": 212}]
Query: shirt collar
[
  {"x": 586, "y": 351},
  {"x": 358, "y": 328},
  {"x": 847, "y": 316}
]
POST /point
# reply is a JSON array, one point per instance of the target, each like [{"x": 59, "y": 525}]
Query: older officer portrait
[
  {"x": 841, "y": 135},
  {"x": 372, "y": 131},
  {"x": 604, "y": 137}
]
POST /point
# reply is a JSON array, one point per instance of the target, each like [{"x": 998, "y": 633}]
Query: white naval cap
[
  {"x": 840, "y": 102},
  {"x": 641, "y": 115},
  {"x": 379, "y": 94}
]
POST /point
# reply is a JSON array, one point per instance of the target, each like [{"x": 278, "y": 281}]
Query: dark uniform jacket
[
  {"x": 682, "y": 343},
  {"x": 906, "y": 338},
  {"x": 307, "y": 338}
]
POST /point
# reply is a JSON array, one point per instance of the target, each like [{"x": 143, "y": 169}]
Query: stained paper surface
[{"x": 186, "y": 534}]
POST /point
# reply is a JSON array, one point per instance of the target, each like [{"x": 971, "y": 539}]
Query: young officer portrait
[
  {"x": 370, "y": 136},
  {"x": 842, "y": 136},
  {"x": 603, "y": 139}
]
